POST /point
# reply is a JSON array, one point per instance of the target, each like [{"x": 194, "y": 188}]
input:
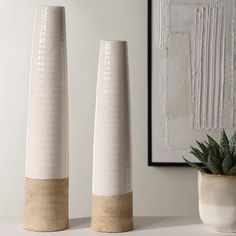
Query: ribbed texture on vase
[
  {"x": 112, "y": 213},
  {"x": 46, "y": 204},
  {"x": 47, "y": 132},
  {"x": 46, "y": 190},
  {"x": 112, "y": 149},
  {"x": 112, "y": 190}
]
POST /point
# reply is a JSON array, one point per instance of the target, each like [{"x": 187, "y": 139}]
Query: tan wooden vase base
[
  {"x": 46, "y": 204},
  {"x": 112, "y": 213}
]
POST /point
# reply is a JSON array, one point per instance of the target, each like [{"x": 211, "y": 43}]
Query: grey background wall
[{"x": 158, "y": 191}]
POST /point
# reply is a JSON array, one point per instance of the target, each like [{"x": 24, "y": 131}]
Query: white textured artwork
[{"x": 193, "y": 71}]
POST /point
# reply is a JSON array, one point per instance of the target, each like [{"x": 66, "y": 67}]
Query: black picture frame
[{"x": 149, "y": 75}]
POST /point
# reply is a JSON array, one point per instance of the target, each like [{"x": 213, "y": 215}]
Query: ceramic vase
[
  {"x": 46, "y": 183},
  {"x": 217, "y": 201},
  {"x": 112, "y": 209}
]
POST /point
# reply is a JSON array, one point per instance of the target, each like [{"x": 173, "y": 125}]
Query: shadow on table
[
  {"x": 142, "y": 222},
  {"x": 148, "y": 222},
  {"x": 79, "y": 223}
]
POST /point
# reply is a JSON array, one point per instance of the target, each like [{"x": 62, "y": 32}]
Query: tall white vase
[
  {"x": 112, "y": 209},
  {"x": 46, "y": 189}
]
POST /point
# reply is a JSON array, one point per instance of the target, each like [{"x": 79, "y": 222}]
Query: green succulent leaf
[
  {"x": 227, "y": 164},
  {"x": 206, "y": 143},
  {"x": 232, "y": 171},
  {"x": 199, "y": 155},
  {"x": 214, "y": 147},
  {"x": 222, "y": 154},
  {"x": 213, "y": 162},
  {"x": 232, "y": 144},
  {"x": 203, "y": 147},
  {"x": 215, "y": 158},
  {"x": 213, "y": 143},
  {"x": 224, "y": 143},
  {"x": 195, "y": 165}
]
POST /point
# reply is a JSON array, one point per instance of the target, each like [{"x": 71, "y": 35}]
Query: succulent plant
[{"x": 215, "y": 158}]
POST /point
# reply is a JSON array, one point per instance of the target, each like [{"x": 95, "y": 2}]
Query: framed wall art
[{"x": 191, "y": 75}]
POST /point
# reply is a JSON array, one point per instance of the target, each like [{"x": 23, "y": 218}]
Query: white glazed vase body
[
  {"x": 112, "y": 141},
  {"x": 217, "y": 201},
  {"x": 47, "y": 130}
]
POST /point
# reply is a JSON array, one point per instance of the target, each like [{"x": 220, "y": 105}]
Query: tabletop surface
[{"x": 144, "y": 225}]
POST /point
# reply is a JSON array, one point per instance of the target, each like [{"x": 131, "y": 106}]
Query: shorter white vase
[
  {"x": 112, "y": 196},
  {"x": 217, "y": 201}
]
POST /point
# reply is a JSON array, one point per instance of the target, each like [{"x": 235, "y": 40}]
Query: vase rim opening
[
  {"x": 217, "y": 175},
  {"x": 113, "y": 41},
  {"x": 51, "y": 6}
]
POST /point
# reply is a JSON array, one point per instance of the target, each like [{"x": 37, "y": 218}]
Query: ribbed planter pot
[
  {"x": 46, "y": 183},
  {"x": 112, "y": 209},
  {"x": 217, "y": 201}
]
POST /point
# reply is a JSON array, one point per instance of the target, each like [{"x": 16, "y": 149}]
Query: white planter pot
[
  {"x": 112, "y": 190},
  {"x": 217, "y": 201},
  {"x": 46, "y": 197}
]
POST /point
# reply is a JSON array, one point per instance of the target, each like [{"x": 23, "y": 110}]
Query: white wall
[{"x": 157, "y": 191}]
